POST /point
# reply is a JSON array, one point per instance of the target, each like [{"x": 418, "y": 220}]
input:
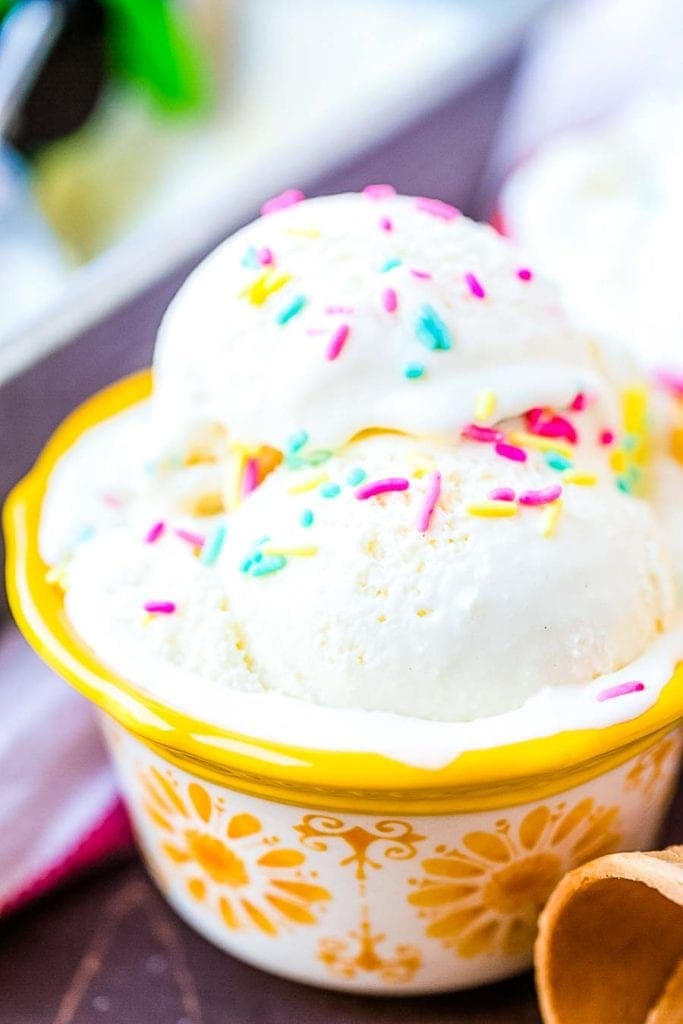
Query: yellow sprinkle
[
  {"x": 304, "y": 232},
  {"x": 542, "y": 444},
  {"x": 618, "y": 460},
  {"x": 240, "y": 460},
  {"x": 549, "y": 517},
  {"x": 308, "y": 485},
  {"x": 493, "y": 509},
  {"x": 265, "y": 285},
  {"x": 575, "y": 476},
  {"x": 301, "y": 552},
  {"x": 421, "y": 465},
  {"x": 634, "y": 401},
  {"x": 485, "y": 406}
]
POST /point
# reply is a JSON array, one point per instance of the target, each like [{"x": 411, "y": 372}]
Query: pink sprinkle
[
  {"x": 436, "y": 208},
  {"x": 524, "y": 274},
  {"x": 670, "y": 380},
  {"x": 337, "y": 342},
  {"x": 533, "y": 417},
  {"x": 334, "y": 310},
  {"x": 288, "y": 198},
  {"x": 160, "y": 607},
  {"x": 606, "y": 437},
  {"x": 386, "y": 224},
  {"x": 423, "y": 275},
  {"x": 555, "y": 426},
  {"x": 250, "y": 478},
  {"x": 112, "y": 501},
  {"x": 542, "y": 497},
  {"x": 474, "y": 285},
  {"x": 501, "y": 494},
  {"x": 195, "y": 539},
  {"x": 265, "y": 256},
  {"x": 620, "y": 689},
  {"x": 379, "y": 191},
  {"x": 431, "y": 497},
  {"x": 391, "y": 483},
  {"x": 579, "y": 403},
  {"x": 155, "y": 532},
  {"x": 390, "y": 300},
  {"x": 473, "y": 432},
  {"x": 511, "y": 451}
]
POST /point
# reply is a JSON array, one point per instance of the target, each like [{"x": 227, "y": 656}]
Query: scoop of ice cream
[
  {"x": 600, "y": 210},
  {"x": 344, "y": 313}
]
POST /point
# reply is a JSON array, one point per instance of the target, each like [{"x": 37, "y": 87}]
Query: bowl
[{"x": 347, "y": 868}]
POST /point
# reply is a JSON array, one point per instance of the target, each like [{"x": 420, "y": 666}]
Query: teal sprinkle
[
  {"x": 306, "y": 518},
  {"x": 250, "y": 258},
  {"x": 411, "y": 371},
  {"x": 212, "y": 549},
  {"x": 330, "y": 490},
  {"x": 85, "y": 534},
  {"x": 262, "y": 540},
  {"x": 390, "y": 265},
  {"x": 630, "y": 442},
  {"x": 295, "y": 462},
  {"x": 431, "y": 330},
  {"x": 297, "y": 441},
  {"x": 356, "y": 476},
  {"x": 557, "y": 461},
  {"x": 268, "y": 565},
  {"x": 291, "y": 310},
  {"x": 246, "y": 564},
  {"x": 624, "y": 485}
]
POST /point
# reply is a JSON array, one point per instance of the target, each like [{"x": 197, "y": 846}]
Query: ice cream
[{"x": 446, "y": 525}]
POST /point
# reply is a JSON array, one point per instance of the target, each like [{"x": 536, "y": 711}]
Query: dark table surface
[{"x": 107, "y": 950}]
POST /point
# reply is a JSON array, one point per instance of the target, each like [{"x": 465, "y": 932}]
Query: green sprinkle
[
  {"x": 356, "y": 476},
  {"x": 330, "y": 490},
  {"x": 557, "y": 461},
  {"x": 306, "y": 518},
  {"x": 431, "y": 330},
  {"x": 291, "y": 310},
  {"x": 317, "y": 457},
  {"x": 297, "y": 441},
  {"x": 413, "y": 370},
  {"x": 250, "y": 258},
  {"x": 624, "y": 485},
  {"x": 390, "y": 264},
  {"x": 630, "y": 442},
  {"x": 212, "y": 549},
  {"x": 268, "y": 565}
]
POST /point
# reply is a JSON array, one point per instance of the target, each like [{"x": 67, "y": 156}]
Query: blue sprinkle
[
  {"x": 413, "y": 370},
  {"x": 212, "y": 549},
  {"x": 389, "y": 265},
  {"x": 306, "y": 518},
  {"x": 291, "y": 310},
  {"x": 356, "y": 476},
  {"x": 330, "y": 490},
  {"x": 557, "y": 461},
  {"x": 246, "y": 564},
  {"x": 297, "y": 441},
  {"x": 268, "y": 565},
  {"x": 431, "y": 330},
  {"x": 250, "y": 258}
]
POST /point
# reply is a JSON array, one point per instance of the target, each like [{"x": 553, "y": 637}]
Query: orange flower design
[
  {"x": 252, "y": 881},
  {"x": 485, "y": 897},
  {"x": 649, "y": 769}
]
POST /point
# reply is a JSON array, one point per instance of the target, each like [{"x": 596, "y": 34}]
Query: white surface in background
[{"x": 316, "y": 82}]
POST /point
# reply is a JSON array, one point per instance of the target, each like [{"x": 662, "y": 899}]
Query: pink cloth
[{"x": 60, "y": 812}]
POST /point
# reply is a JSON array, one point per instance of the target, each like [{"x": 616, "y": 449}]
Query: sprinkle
[
  {"x": 485, "y": 405},
  {"x": 159, "y": 607},
  {"x": 213, "y": 546},
  {"x": 670, "y": 380},
  {"x": 390, "y": 300},
  {"x": 155, "y": 532},
  {"x": 195, "y": 539},
  {"x": 306, "y": 518},
  {"x": 579, "y": 403},
  {"x": 250, "y": 259},
  {"x": 335, "y": 310},
  {"x": 511, "y": 451},
  {"x": 318, "y": 457},
  {"x": 57, "y": 575},
  {"x": 541, "y": 497},
  {"x": 606, "y": 437},
  {"x": 391, "y": 483},
  {"x": 386, "y": 224},
  {"x": 288, "y": 198},
  {"x": 337, "y": 342},
  {"x": 557, "y": 461},
  {"x": 474, "y": 285},
  {"x": 411, "y": 371},
  {"x": 421, "y": 275},
  {"x": 431, "y": 330},
  {"x": 618, "y": 460},
  {"x": 297, "y": 441},
  {"x": 635, "y": 409},
  {"x": 356, "y": 476},
  {"x": 624, "y": 485},
  {"x": 250, "y": 477},
  {"x": 430, "y": 500},
  {"x": 541, "y": 444},
  {"x": 308, "y": 485},
  {"x": 265, "y": 256},
  {"x": 549, "y": 518},
  {"x": 291, "y": 309},
  {"x": 575, "y": 476},
  {"x": 436, "y": 208},
  {"x": 501, "y": 494},
  {"x": 555, "y": 426},
  {"x": 112, "y": 501},
  {"x": 524, "y": 274},
  {"x": 330, "y": 490},
  {"x": 492, "y": 509},
  {"x": 390, "y": 264},
  {"x": 474, "y": 432},
  {"x": 304, "y": 232},
  {"x": 620, "y": 689},
  {"x": 265, "y": 285},
  {"x": 303, "y": 551},
  {"x": 266, "y": 566},
  {"x": 379, "y": 191}
]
